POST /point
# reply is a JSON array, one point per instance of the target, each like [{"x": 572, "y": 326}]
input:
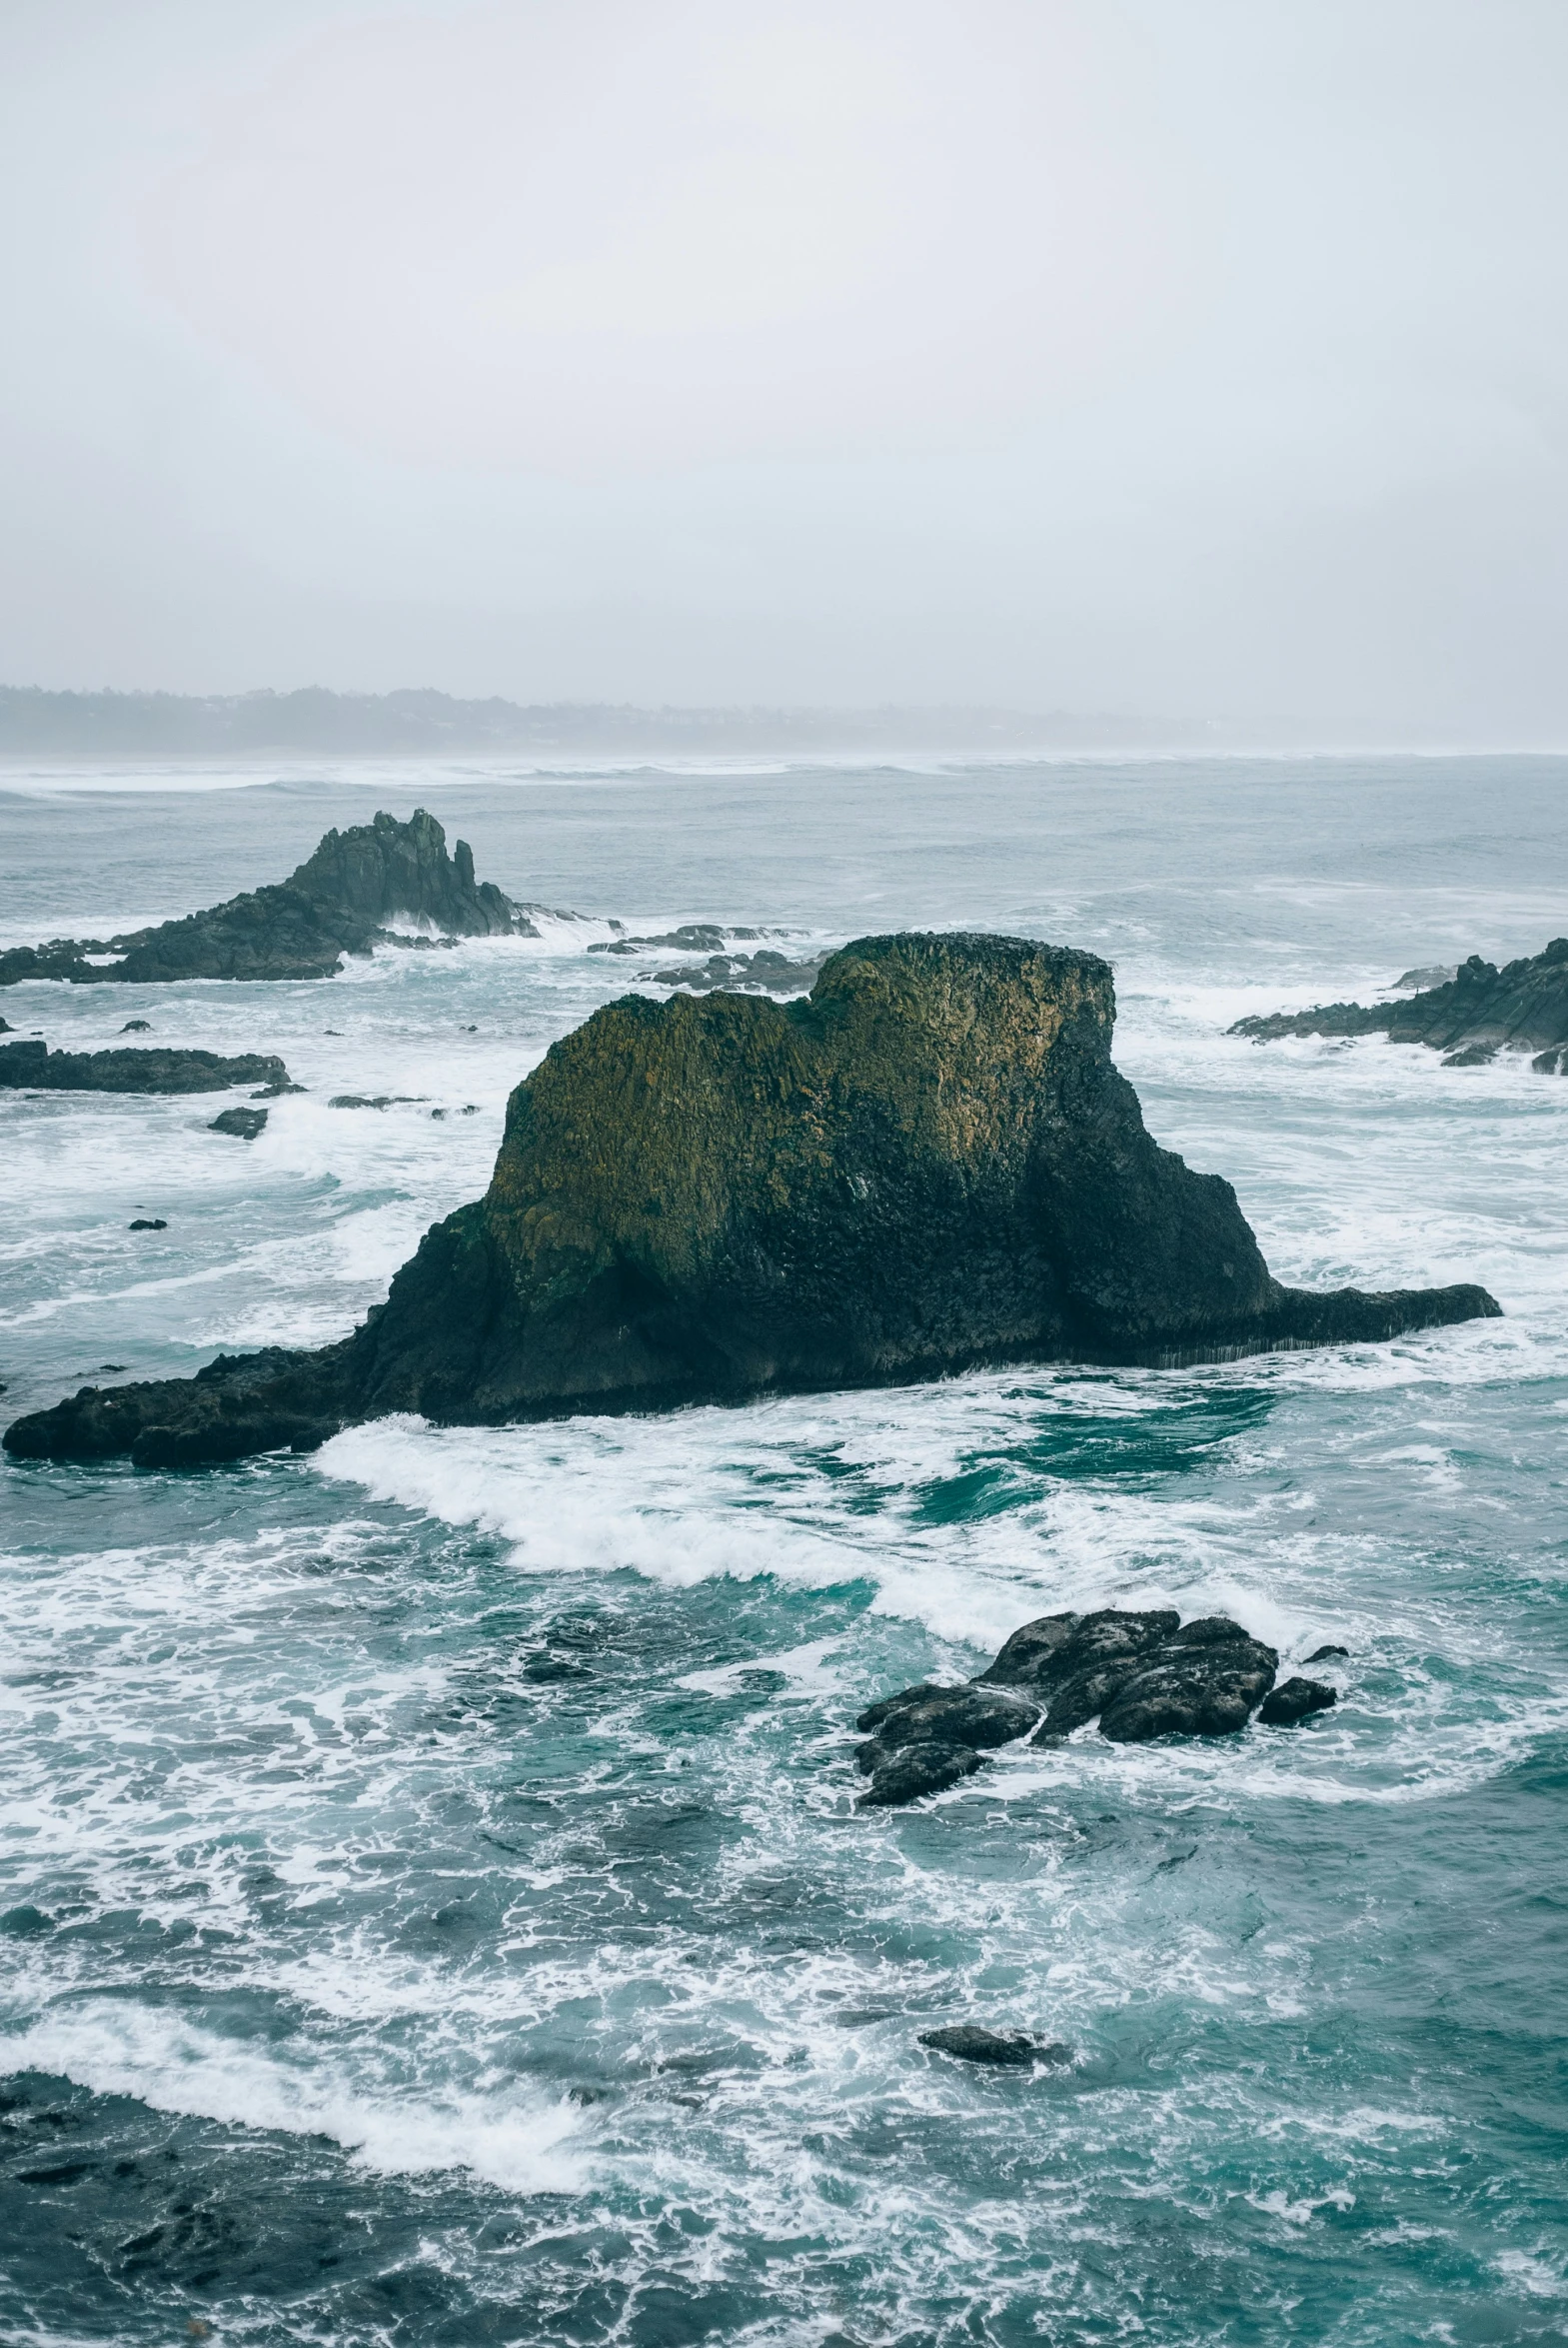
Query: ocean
[{"x": 432, "y": 1903}]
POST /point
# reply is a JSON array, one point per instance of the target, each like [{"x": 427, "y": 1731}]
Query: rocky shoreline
[
  {"x": 1469, "y": 1016},
  {"x": 1140, "y": 1676},
  {"x": 928, "y": 1165}
]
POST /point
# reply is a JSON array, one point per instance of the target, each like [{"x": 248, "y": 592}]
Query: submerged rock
[
  {"x": 149, "y": 1223},
  {"x": 338, "y": 902},
  {"x": 928, "y": 1165},
  {"x": 1142, "y": 1674},
  {"x": 1294, "y": 1700},
  {"x": 34, "y": 1067},
  {"x": 1008, "y": 2049},
  {"x": 1474, "y": 1013}
]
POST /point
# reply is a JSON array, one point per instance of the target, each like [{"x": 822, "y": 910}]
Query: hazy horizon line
[{"x": 421, "y": 721}]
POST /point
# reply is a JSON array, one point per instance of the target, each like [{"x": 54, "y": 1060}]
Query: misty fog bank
[{"x": 1041, "y": 355}]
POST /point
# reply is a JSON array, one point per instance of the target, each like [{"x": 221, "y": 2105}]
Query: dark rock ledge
[
  {"x": 1141, "y": 1675},
  {"x": 338, "y": 902},
  {"x": 1477, "y": 1012},
  {"x": 34, "y": 1067},
  {"x": 928, "y": 1165}
]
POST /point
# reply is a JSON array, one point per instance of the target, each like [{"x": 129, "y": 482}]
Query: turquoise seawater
[{"x": 432, "y": 1905}]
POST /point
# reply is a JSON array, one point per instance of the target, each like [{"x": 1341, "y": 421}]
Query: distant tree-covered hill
[{"x": 115, "y": 725}]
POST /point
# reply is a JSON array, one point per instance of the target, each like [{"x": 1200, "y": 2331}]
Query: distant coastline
[{"x": 421, "y": 721}]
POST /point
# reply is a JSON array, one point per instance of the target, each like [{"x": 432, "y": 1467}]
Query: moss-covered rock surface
[{"x": 929, "y": 1164}]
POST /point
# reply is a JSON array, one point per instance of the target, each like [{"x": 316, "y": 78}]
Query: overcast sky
[{"x": 1191, "y": 357}]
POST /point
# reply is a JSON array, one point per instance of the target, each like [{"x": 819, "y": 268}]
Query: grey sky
[{"x": 1202, "y": 357}]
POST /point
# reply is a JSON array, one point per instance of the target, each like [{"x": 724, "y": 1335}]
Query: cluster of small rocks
[
  {"x": 1141, "y": 1675},
  {"x": 766, "y": 971}
]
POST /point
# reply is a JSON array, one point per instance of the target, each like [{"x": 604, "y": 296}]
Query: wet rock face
[
  {"x": 928, "y": 1737},
  {"x": 245, "y": 1124},
  {"x": 1141, "y": 1675},
  {"x": 240, "y": 1404},
  {"x": 338, "y": 902},
  {"x": 1472, "y": 1015},
  {"x": 33, "y": 1066},
  {"x": 972, "y": 1715},
  {"x": 918, "y": 1769},
  {"x": 1201, "y": 1685},
  {"x": 929, "y": 1163},
  {"x": 1296, "y": 1699}
]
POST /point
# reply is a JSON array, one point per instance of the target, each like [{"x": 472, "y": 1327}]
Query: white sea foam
[{"x": 120, "y": 2048}]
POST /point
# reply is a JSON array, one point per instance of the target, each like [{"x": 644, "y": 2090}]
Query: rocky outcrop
[
  {"x": 1477, "y": 1012},
  {"x": 928, "y": 1165},
  {"x": 244, "y": 1125},
  {"x": 1141, "y": 1675},
  {"x": 766, "y": 971},
  {"x": 338, "y": 902},
  {"x": 32, "y": 1067}
]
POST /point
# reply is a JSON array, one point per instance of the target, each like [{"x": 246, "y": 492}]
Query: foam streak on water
[{"x": 432, "y": 1903}]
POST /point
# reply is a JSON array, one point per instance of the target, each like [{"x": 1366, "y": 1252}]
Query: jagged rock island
[
  {"x": 338, "y": 902},
  {"x": 927, "y": 1163},
  {"x": 1478, "y": 1013}
]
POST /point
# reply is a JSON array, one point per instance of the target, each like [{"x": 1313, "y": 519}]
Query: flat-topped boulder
[
  {"x": 340, "y": 901},
  {"x": 928, "y": 1165},
  {"x": 1471, "y": 1015},
  {"x": 32, "y": 1067}
]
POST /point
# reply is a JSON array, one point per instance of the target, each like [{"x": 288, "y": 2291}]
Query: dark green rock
[{"x": 929, "y": 1163}]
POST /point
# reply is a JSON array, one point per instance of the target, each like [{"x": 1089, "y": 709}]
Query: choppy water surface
[{"x": 434, "y": 1906}]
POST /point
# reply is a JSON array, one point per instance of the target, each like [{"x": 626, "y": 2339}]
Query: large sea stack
[
  {"x": 927, "y": 1163},
  {"x": 338, "y": 902},
  {"x": 1473, "y": 1016}
]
